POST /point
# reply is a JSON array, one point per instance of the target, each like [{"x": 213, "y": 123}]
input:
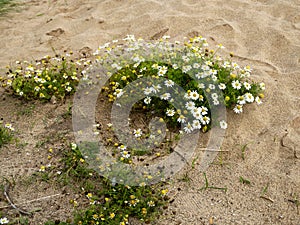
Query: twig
[
  {"x": 34, "y": 200},
  {"x": 267, "y": 198},
  {"x": 212, "y": 150},
  {"x": 6, "y": 194}
]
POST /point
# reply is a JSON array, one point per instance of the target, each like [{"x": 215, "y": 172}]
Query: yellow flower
[
  {"x": 233, "y": 76},
  {"x": 82, "y": 160},
  {"x": 112, "y": 215},
  {"x": 164, "y": 192},
  {"x": 261, "y": 95},
  {"x": 89, "y": 195},
  {"x": 227, "y": 98}
]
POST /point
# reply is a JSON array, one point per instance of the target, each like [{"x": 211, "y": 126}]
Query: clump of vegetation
[
  {"x": 46, "y": 78},
  {"x": 6, "y": 133}
]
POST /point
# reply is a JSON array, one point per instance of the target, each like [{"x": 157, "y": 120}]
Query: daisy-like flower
[
  {"x": 188, "y": 128},
  {"x": 196, "y": 65},
  {"x": 147, "y": 100},
  {"x": 170, "y": 112},
  {"x": 190, "y": 105},
  {"x": 68, "y": 89},
  {"x": 201, "y": 86},
  {"x": 258, "y": 100},
  {"x": 118, "y": 93},
  {"x": 147, "y": 91},
  {"x": 9, "y": 126},
  {"x": 37, "y": 88},
  {"x": 241, "y": 100},
  {"x": 238, "y": 109},
  {"x": 223, "y": 124},
  {"x": 196, "y": 124},
  {"x": 162, "y": 71},
  {"x": 73, "y": 146},
  {"x": 151, "y": 203},
  {"x": 122, "y": 147},
  {"x": 211, "y": 86},
  {"x": 155, "y": 88},
  {"x": 137, "y": 133},
  {"x": 196, "y": 110},
  {"x": 175, "y": 66},
  {"x": 205, "y": 120},
  {"x": 216, "y": 102},
  {"x": 236, "y": 84},
  {"x": 194, "y": 95},
  {"x": 247, "y": 85},
  {"x": 185, "y": 58},
  {"x": 262, "y": 86},
  {"x": 204, "y": 110},
  {"x": 249, "y": 97},
  {"x": 169, "y": 83},
  {"x": 4, "y": 220},
  {"x": 186, "y": 69},
  {"x": 165, "y": 96},
  {"x": 181, "y": 119},
  {"x": 222, "y": 86},
  {"x": 197, "y": 115},
  {"x": 214, "y": 95},
  {"x": 125, "y": 154}
]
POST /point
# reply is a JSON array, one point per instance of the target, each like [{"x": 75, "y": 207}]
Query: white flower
[
  {"x": 196, "y": 65},
  {"x": 138, "y": 132},
  {"x": 213, "y": 77},
  {"x": 258, "y": 100},
  {"x": 236, "y": 84},
  {"x": 262, "y": 86},
  {"x": 238, "y": 109},
  {"x": 211, "y": 86},
  {"x": 73, "y": 146},
  {"x": 196, "y": 124},
  {"x": 249, "y": 97},
  {"x": 68, "y": 89},
  {"x": 4, "y": 220},
  {"x": 147, "y": 91},
  {"x": 170, "y": 112},
  {"x": 201, "y": 85},
  {"x": 205, "y": 120},
  {"x": 241, "y": 100},
  {"x": 122, "y": 147},
  {"x": 165, "y": 96},
  {"x": 188, "y": 128},
  {"x": 214, "y": 95},
  {"x": 185, "y": 58},
  {"x": 216, "y": 102},
  {"x": 190, "y": 105},
  {"x": 181, "y": 119},
  {"x": 155, "y": 88},
  {"x": 247, "y": 85},
  {"x": 9, "y": 126},
  {"x": 169, "y": 83},
  {"x": 194, "y": 95},
  {"x": 125, "y": 154},
  {"x": 175, "y": 66},
  {"x": 147, "y": 100},
  {"x": 204, "y": 110},
  {"x": 118, "y": 93},
  {"x": 187, "y": 68},
  {"x": 222, "y": 86},
  {"x": 223, "y": 124},
  {"x": 162, "y": 71}
]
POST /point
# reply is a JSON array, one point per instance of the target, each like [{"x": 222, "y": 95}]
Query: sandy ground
[{"x": 262, "y": 33}]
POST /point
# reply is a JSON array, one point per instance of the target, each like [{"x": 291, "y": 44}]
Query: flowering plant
[
  {"x": 204, "y": 78},
  {"x": 51, "y": 76}
]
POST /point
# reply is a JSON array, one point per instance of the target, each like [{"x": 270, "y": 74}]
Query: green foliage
[
  {"x": 5, "y": 135},
  {"x": 51, "y": 76}
]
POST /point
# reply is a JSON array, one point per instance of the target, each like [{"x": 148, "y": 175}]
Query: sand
[{"x": 262, "y": 33}]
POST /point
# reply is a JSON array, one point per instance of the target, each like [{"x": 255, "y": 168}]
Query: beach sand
[{"x": 262, "y": 33}]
